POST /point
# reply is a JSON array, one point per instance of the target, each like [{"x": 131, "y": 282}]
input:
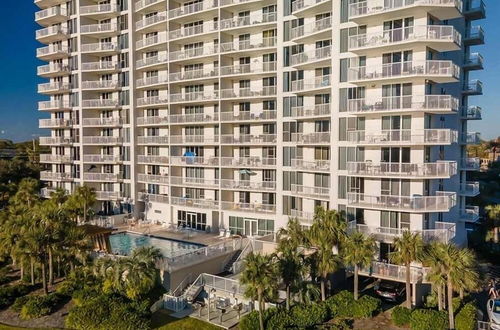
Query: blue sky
[{"x": 18, "y": 80}]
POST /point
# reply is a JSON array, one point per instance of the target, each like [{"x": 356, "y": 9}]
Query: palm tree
[
  {"x": 494, "y": 215},
  {"x": 292, "y": 233},
  {"x": 408, "y": 248},
  {"x": 27, "y": 193},
  {"x": 432, "y": 258},
  {"x": 39, "y": 237},
  {"x": 259, "y": 278},
  {"x": 81, "y": 201},
  {"x": 291, "y": 266},
  {"x": 358, "y": 251},
  {"x": 140, "y": 273},
  {"x": 59, "y": 196},
  {"x": 308, "y": 292}
]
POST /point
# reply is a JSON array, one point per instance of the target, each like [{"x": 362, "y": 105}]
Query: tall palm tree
[
  {"x": 493, "y": 212},
  {"x": 81, "y": 201},
  {"x": 59, "y": 196},
  {"x": 39, "y": 237},
  {"x": 408, "y": 248},
  {"x": 291, "y": 266},
  {"x": 293, "y": 233},
  {"x": 358, "y": 251},
  {"x": 27, "y": 193},
  {"x": 433, "y": 254},
  {"x": 259, "y": 278}
]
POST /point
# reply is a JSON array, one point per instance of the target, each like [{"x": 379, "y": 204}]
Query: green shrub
[
  {"x": 280, "y": 319},
  {"x": 457, "y": 304},
  {"x": 431, "y": 300},
  {"x": 84, "y": 295},
  {"x": 428, "y": 319},
  {"x": 107, "y": 312},
  {"x": 19, "y": 303},
  {"x": 401, "y": 316},
  {"x": 8, "y": 294},
  {"x": 340, "y": 304},
  {"x": 466, "y": 318},
  {"x": 38, "y": 306},
  {"x": 250, "y": 321},
  {"x": 305, "y": 316},
  {"x": 366, "y": 306}
]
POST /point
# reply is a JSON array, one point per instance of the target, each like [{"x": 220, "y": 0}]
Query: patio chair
[{"x": 222, "y": 233}]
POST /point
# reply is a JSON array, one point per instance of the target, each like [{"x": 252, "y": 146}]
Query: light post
[{"x": 211, "y": 295}]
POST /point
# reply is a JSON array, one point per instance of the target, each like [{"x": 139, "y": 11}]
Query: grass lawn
[{"x": 162, "y": 320}]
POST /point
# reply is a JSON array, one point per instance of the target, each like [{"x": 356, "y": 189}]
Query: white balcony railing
[
  {"x": 152, "y": 100},
  {"x": 442, "y": 103},
  {"x": 442, "y": 202},
  {"x": 153, "y": 120},
  {"x": 248, "y": 185},
  {"x": 100, "y": 158},
  {"x": 193, "y": 202},
  {"x": 104, "y": 121},
  {"x": 439, "y": 169},
  {"x": 404, "y": 136},
  {"x": 180, "y": 139},
  {"x": 52, "y": 50},
  {"x": 310, "y": 191},
  {"x": 102, "y": 177},
  {"x": 194, "y": 118},
  {"x": 192, "y": 8},
  {"x": 100, "y": 103},
  {"x": 53, "y": 105},
  {"x": 194, "y": 161},
  {"x": 248, "y": 44},
  {"x": 58, "y": 140},
  {"x": 98, "y": 9},
  {"x": 99, "y": 66},
  {"x": 246, "y": 162},
  {"x": 469, "y": 188},
  {"x": 100, "y": 84},
  {"x": 407, "y": 34},
  {"x": 193, "y": 74},
  {"x": 193, "y": 181},
  {"x": 248, "y": 68},
  {"x": 103, "y": 140},
  {"x": 151, "y": 20},
  {"x": 160, "y": 38},
  {"x": 108, "y": 195},
  {"x": 311, "y": 138},
  {"x": 184, "y": 32},
  {"x": 317, "y": 110},
  {"x": 471, "y": 163},
  {"x": 303, "y": 4},
  {"x": 155, "y": 198},
  {"x": 248, "y": 139},
  {"x": 99, "y": 47},
  {"x": 152, "y": 139},
  {"x": 51, "y": 31},
  {"x": 50, "y": 158},
  {"x": 152, "y": 159},
  {"x": 194, "y": 96},
  {"x": 236, "y": 22},
  {"x": 311, "y": 165},
  {"x": 144, "y": 3},
  {"x": 54, "y": 87},
  {"x": 54, "y": 123},
  {"x": 150, "y": 178},
  {"x": 311, "y": 56},
  {"x": 248, "y": 92},
  {"x": 247, "y": 115},
  {"x": 47, "y": 176},
  {"x": 194, "y": 52},
  {"x": 149, "y": 81},
  {"x": 249, "y": 207},
  {"x": 50, "y": 12},
  {"x": 368, "y": 7},
  {"x": 305, "y": 30},
  {"x": 304, "y": 216},
  {"x": 99, "y": 28},
  {"x": 395, "y": 272},
  {"x": 470, "y": 213}
]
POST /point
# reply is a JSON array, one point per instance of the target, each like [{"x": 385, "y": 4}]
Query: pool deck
[{"x": 190, "y": 236}]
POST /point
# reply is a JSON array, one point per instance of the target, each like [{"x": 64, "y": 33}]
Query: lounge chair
[{"x": 222, "y": 233}]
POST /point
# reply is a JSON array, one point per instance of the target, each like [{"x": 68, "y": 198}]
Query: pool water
[{"x": 125, "y": 243}]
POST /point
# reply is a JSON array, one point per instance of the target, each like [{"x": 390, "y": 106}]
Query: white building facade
[{"x": 238, "y": 114}]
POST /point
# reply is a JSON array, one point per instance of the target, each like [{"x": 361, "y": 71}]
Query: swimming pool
[{"x": 125, "y": 243}]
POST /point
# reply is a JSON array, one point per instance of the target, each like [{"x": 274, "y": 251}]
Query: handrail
[{"x": 237, "y": 265}]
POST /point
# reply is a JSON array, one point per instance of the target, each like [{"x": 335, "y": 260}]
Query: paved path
[{"x": 381, "y": 321}]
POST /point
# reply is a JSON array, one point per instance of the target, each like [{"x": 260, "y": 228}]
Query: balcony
[
  {"x": 248, "y": 162},
  {"x": 469, "y": 189},
  {"x": 103, "y": 122},
  {"x": 193, "y": 118},
  {"x": 152, "y": 81},
  {"x": 248, "y": 139},
  {"x": 248, "y": 21},
  {"x": 55, "y": 123},
  {"x": 53, "y": 70},
  {"x": 101, "y": 10},
  {"x": 55, "y": 176},
  {"x": 247, "y": 116},
  {"x": 150, "y": 62},
  {"x": 104, "y": 159},
  {"x": 437, "y": 71},
  {"x": 311, "y": 57},
  {"x": 196, "y": 203},
  {"x": 100, "y": 104},
  {"x": 103, "y": 29},
  {"x": 392, "y": 272},
  {"x": 376, "y": 11},
  {"x": 152, "y": 101},
  {"x": 186, "y": 54},
  {"x": 151, "y": 21},
  {"x": 192, "y": 181},
  {"x": 472, "y": 112},
  {"x": 311, "y": 138},
  {"x": 154, "y": 140},
  {"x": 109, "y": 195},
  {"x": 470, "y": 164},
  {"x": 152, "y": 159},
  {"x": 249, "y": 207},
  {"x": 102, "y": 48},
  {"x": 101, "y": 67},
  {"x": 441, "y": 38},
  {"x": 437, "y": 170},
  {"x": 49, "y": 3},
  {"x": 444, "y": 232},
  {"x": 472, "y": 138},
  {"x": 56, "y": 159},
  {"x": 248, "y": 185},
  {"x": 404, "y": 137},
  {"x": 193, "y": 8},
  {"x": 443, "y": 201},
  {"x": 247, "y": 92},
  {"x": 310, "y": 191},
  {"x": 248, "y": 45},
  {"x": 473, "y": 87},
  {"x": 305, "y": 218},
  {"x": 474, "y": 9},
  {"x": 104, "y": 140},
  {"x": 193, "y": 74},
  {"x": 474, "y": 36},
  {"x": 186, "y": 32},
  {"x": 304, "y": 112},
  {"x": 310, "y": 85},
  {"x": 52, "y": 15},
  {"x": 470, "y": 214},
  {"x": 159, "y": 39},
  {"x": 194, "y": 161},
  {"x": 56, "y": 141},
  {"x": 104, "y": 85},
  {"x": 144, "y": 4},
  {"x": 55, "y": 105},
  {"x": 52, "y": 34},
  {"x": 317, "y": 165},
  {"x": 154, "y": 179},
  {"x": 151, "y": 121},
  {"x": 474, "y": 61},
  {"x": 194, "y": 96},
  {"x": 303, "y": 5},
  {"x": 410, "y": 103},
  {"x": 248, "y": 69},
  {"x": 153, "y": 198},
  {"x": 103, "y": 177},
  {"x": 52, "y": 52},
  {"x": 196, "y": 139},
  {"x": 309, "y": 30},
  {"x": 54, "y": 88}
]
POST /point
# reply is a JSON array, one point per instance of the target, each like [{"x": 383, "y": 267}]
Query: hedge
[
  {"x": 38, "y": 306},
  {"x": 366, "y": 307},
  {"x": 8, "y": 294},
  {"x": 466, "y": 318},
  {"x": 401, "y": 316},
  {"x": 428, "y": 319}
]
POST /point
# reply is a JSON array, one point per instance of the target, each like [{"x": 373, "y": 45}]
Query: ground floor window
[
  {"x": 250, "y": 226},
  {"x": 192, "y": 220}
]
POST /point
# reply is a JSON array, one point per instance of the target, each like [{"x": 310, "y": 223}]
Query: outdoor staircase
[{"x": 229, "y": 265}]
